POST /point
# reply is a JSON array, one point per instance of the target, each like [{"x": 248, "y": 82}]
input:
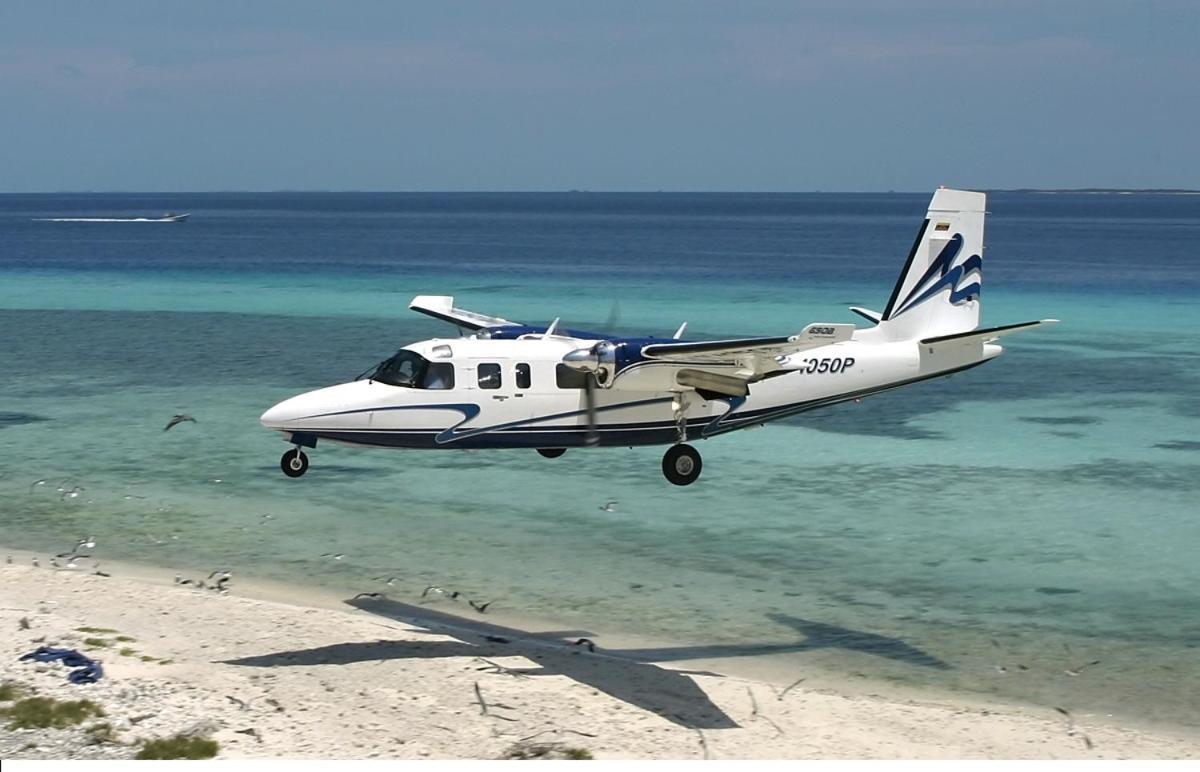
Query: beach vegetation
[
  {"x": 46, "y": 712},
  {"x": 128, "y": 652},
  {"x": 147, "y": 658},
  {"x": 530, "y": 750},
  {"x": 98, "y": 643},
  {"x": 125, "y": 639},
  {"x": 99, "y": 630},
  {"x": 179, "y": 746},
  {"x": 11, "y": 690},
  {"x": 166, "y": 661}
]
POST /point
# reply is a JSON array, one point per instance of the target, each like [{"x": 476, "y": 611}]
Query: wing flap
[{"x": 442, "y": 307}]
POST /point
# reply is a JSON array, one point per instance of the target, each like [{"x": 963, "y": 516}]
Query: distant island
[{"x": 1109, "y": 191}]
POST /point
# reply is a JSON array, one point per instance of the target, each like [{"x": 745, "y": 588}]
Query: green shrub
[
  {"x": 180, "y": 746},
  {"x": 10, "y": 690},
  {"x": 45, "y": 712},
  {"x": 526, "y": 750}
]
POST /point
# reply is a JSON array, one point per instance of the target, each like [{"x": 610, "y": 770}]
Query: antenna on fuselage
[
  {"x": 553, "y": 326},
  {"x": 679, "y": 333}
]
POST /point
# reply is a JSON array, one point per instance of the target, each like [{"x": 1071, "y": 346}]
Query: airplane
[{"x": 512, "y": 385}]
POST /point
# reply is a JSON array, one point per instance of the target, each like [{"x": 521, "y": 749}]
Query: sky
[{"x": 834, "y": 95}]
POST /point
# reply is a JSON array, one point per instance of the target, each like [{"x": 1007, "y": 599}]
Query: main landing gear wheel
[
  {"x": 681, "y": 464},
  {"x": 294, "y": 463},
  {"x": 551, "y": 452}
]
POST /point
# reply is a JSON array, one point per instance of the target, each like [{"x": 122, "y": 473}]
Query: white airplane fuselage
[{"x": 639, "y": 408}]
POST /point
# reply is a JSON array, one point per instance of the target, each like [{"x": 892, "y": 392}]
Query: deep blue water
[{"x": 1045, "y": 501}]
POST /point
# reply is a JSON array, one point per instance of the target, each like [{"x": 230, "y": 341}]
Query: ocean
[{"x": 989, "y": 534}]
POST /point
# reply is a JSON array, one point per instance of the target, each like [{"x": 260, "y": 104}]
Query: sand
[{"x": 267, "y": 678}]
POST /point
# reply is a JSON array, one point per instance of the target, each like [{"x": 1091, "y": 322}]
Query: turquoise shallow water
[{"x": 1037, "y": 512}]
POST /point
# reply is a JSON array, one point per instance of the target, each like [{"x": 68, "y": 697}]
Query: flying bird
[
  {"x": 480, "y": 607},
  {"x": 609, "y": 506},
  {"x": 1074, "y": 671},
  {"x": 434, "y": 588},
  {"x": 177, "y": 419}
]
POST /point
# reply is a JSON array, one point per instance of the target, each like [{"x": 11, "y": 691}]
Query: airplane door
[
  {"x": 495, "y": 387},
  {"x": 501, "y": 389}
]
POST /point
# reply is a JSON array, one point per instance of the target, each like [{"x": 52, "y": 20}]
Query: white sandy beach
[{"x": 271, "y": 679}]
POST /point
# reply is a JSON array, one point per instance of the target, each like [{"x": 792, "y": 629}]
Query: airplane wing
[
  {"x": 706, "y": 365},
  {"x": 442, "y": 307},
  {"x": 737, "y": 350}
]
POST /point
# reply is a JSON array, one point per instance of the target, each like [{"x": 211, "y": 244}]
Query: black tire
[
  {"x": 551, "y": 452},
  {"x": 294, "y": 463},
  {"x": 681, "y": 464}
]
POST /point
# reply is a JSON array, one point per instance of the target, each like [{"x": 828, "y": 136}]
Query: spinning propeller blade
[
  {"x": 614, "y": 318},
  {"x": 589, "y": 396}
]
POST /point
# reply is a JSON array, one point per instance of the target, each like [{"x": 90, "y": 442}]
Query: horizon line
[{"x": 581, "y": 191}]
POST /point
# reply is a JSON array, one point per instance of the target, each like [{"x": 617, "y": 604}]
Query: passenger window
[
  {"x": 439, "y": 375},
  {"x": 570, "y": 378},
  {"x": 489, "y": 376},
  {"x": 523, "y": 378}
]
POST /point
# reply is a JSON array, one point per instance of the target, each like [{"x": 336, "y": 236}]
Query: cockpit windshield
[
  {"x": 410, "y": 369},
  {"x": 405, "y": 368}
]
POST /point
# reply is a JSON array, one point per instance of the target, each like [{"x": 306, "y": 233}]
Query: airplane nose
[
  {"x": 270, "y": 418},
  {"x": 278, "y": 415}
]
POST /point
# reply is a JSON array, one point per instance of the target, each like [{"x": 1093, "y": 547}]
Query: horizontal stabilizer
[
  {"x": 868, "y": 314},
  {"x": 989, "y": 333},
  {"x": 442, "y": 307}
]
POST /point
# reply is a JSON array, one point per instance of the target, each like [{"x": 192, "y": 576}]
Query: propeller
[
  {"x": 596, "y": 363},
  {"x": 590, "y": 384}
]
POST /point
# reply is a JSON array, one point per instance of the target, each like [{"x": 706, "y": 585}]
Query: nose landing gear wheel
[
  {"x": 681, "y": 464},
  {"x": 551, "y": 452},
  {"x": 294, "y": 463}
]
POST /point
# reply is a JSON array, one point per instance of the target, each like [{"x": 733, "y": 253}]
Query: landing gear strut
[
  {"x": 681, "y": 464},
  {"x": 294, "y": 463}
]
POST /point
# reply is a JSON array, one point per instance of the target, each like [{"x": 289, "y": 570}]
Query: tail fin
[{"x": 938, "y": 292}]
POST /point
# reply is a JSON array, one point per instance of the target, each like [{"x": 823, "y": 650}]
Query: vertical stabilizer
[{"x": 938, "y": 291}]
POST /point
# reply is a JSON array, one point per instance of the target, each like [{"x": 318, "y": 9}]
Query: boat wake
[{"x": 164, "y": 218}]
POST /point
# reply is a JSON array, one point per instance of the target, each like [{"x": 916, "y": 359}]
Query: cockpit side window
[{"x": 489, "y": 375}]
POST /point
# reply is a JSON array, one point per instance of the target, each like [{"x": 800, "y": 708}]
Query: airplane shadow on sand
[{"x": 628, "y": 675}]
